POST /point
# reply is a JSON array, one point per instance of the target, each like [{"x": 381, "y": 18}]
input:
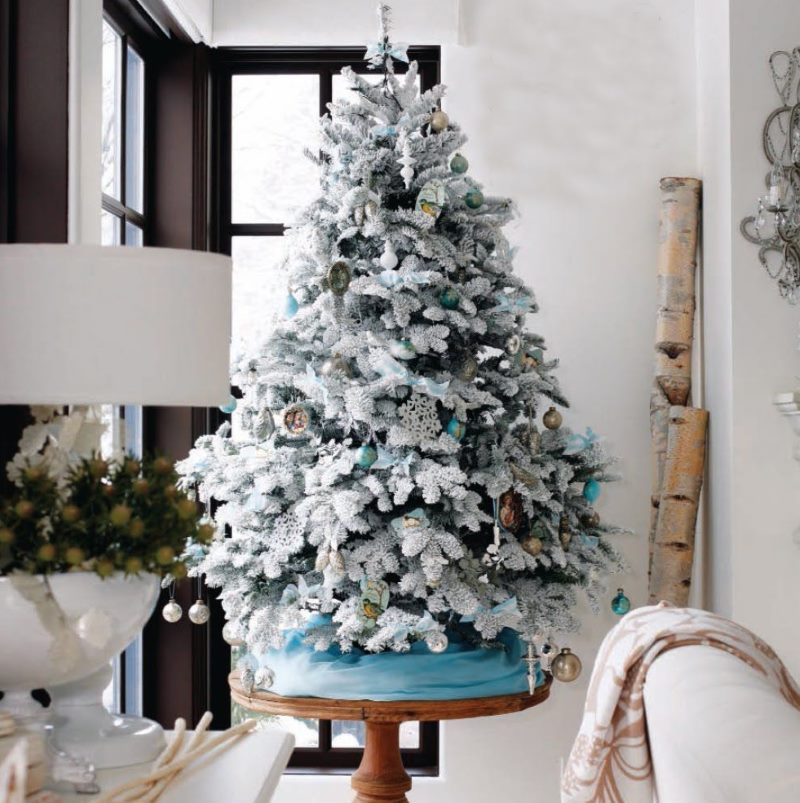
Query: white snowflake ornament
[{"x": 420, "y": 417}]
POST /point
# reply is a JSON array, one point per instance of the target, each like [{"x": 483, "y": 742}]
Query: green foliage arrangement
[{"x": 105, "y": 517}]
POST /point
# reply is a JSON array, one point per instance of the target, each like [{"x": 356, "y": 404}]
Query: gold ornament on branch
[{"x": 552, "y": 418}]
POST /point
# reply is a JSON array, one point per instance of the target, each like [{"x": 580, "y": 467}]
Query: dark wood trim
[{"x": 7, "y": 60}]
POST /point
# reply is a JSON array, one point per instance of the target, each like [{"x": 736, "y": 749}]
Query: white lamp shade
[{"x": 83, "y": 324}]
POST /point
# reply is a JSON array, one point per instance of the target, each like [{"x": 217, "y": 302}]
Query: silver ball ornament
[
  {"x": 552, "y": 418},
  {"x": 566, "y": 666},
  {"x": 439, "y": 121},
  {"x": 436, "y": 641},
  {"x": 230, "y": 634},
  {"x": 264, "y": 678},
  {"x": 199, "y": 613},
  {"x": 172, "y": 612},
  {"x": 336, "y": 364}
]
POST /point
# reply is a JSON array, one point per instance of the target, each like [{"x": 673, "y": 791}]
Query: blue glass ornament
[
  {"x": 449, "y": 298},
  {"x": 402, "y": 349},
  {"x": 366, "y": 456},
  {"x": 620, "y": 604},
  {"x": 456, "y": 429},
  {"x": 591, "y": 490},
  {"x": 291, "y": 307},
  {"x": 229, "y": 406},
  {"x": 474, "y": 198},
  {"x": 459, "y": 164}
]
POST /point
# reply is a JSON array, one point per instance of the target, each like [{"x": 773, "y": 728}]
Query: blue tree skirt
[{"x": 461, "y": 671}]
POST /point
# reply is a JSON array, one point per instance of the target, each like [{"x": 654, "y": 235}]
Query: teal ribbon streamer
[
  {"x": 509, "y": 605},
  {"x": 389, "y": 368}
]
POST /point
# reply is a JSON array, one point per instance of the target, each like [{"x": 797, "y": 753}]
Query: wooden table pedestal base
[{"x": 381, "y": 778}]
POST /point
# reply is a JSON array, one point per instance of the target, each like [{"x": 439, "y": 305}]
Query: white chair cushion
[{"x": 719, "y": 731}]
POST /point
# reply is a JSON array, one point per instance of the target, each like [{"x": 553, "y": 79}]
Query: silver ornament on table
[
  {"x": 566, "y": 666},
  {"x": 231, "y": 634},
  {"x": 248, "y": 679},
  {"x": 552, "y": 419},
  {"x": 439, "y": 121},
  {"x": 436, "y": 641},
  {"x": 264, "y": 678},
  {"x": 172, "y": 612},
  {"x": 199, "y": 613},
  {"x": 336, "y": 365},
  {"x": 531, "y": 660}
]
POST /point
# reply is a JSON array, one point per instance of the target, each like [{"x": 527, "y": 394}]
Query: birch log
[
  {"x": 677, "y": 261},
  {"x": 673, "y": 549}
]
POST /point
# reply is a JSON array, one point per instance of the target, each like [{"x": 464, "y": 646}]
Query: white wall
[
  {"x": 575, "y": 110},
  {"x": 750, "y": 332}
]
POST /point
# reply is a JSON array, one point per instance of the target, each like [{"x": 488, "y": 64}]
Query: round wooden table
[{"x": 381, "y": 777}]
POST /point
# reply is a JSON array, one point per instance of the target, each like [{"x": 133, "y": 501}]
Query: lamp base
[{"x": 83, "y": 727}]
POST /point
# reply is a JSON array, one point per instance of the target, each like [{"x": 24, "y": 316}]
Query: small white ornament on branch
[{"x": 407, "y": 161}]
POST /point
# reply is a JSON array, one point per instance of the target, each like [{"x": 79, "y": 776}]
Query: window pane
[
  {"x": 134, "y": 132},
  {"x": 274, "y": 117},
  {"x": 259, "y": 287},
  {"x": 133, "y": 234},
  {"x": 111, "y": 114},
  {"x": 109, "y": 228},
  {"x": 351, "y": 734}
]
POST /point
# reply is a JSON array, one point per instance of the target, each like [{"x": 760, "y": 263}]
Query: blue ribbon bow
[
  {"x": 311, "y": 375},
  {"x": 577, "y": 442},
  {"x": 391, "y": 369},
  {"x": 424, "y": 625},
  {"x": 392, "y": 278},
  {"x": 378, "y": 51},
  {"x": 509, "y": 605},
  {"x": 418, "y": 514},
  {"x": 387, "y": 459},
  {"x": 514, "y": 304}
]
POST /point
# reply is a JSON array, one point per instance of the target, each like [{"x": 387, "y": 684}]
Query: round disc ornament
[
  {"x": 510, "y": 510},
  {"x": 513, "y": 344},
  {"x": 339, "y": 276},
  {"x": 296, "y": 420}
]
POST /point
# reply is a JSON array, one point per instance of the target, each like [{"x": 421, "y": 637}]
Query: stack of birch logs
[{"x": 678, "y": 431}]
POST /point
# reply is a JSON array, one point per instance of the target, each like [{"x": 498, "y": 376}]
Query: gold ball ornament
[
  {"x": 532, "y": 544},
  {"x": 552, "y": 418},
  {"x": 439, "y": 121},
  {"x": 566, "y": 666},
  {"x": 199, "y": 613},
  {"x": 591, "y": 519}
]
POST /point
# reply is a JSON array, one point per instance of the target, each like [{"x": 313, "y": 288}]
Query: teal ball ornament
[
  {"x": 403, "y": 349},
  {"x": 229, "y": 406},
  {"x": 459, "y": 164},
  {"x": 291, "y": 306},
  {"x": 449, "y": 298},
  {"x": 456, "y": 429},
  {"x": 620, "y": 605},
  {"x": 474, "y": 198},
  {"x": 365, "y": 456},
  {"x": 591, "y": 491}
]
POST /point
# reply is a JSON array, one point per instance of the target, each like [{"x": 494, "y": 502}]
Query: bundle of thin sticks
[{"x": 179, "y": 754}]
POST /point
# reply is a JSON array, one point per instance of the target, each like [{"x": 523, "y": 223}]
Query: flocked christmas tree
[{"x": 399, "y": 463}]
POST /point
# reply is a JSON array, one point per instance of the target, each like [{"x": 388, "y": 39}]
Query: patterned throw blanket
[{"x": 610, "y": 760}]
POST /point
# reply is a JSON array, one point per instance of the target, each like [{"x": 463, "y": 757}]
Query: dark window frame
[
  {"x": 134, "y": 35},
  {"x": 324, "y": 62}
]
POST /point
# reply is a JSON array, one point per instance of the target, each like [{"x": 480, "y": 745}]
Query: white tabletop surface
[{"x": 247, "y": 771}]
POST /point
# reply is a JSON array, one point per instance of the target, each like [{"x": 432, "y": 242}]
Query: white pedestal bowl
[{"x": 59, "y": 632}]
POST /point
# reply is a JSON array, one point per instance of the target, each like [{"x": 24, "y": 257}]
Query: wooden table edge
[{"x": 386, "y": 711}]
